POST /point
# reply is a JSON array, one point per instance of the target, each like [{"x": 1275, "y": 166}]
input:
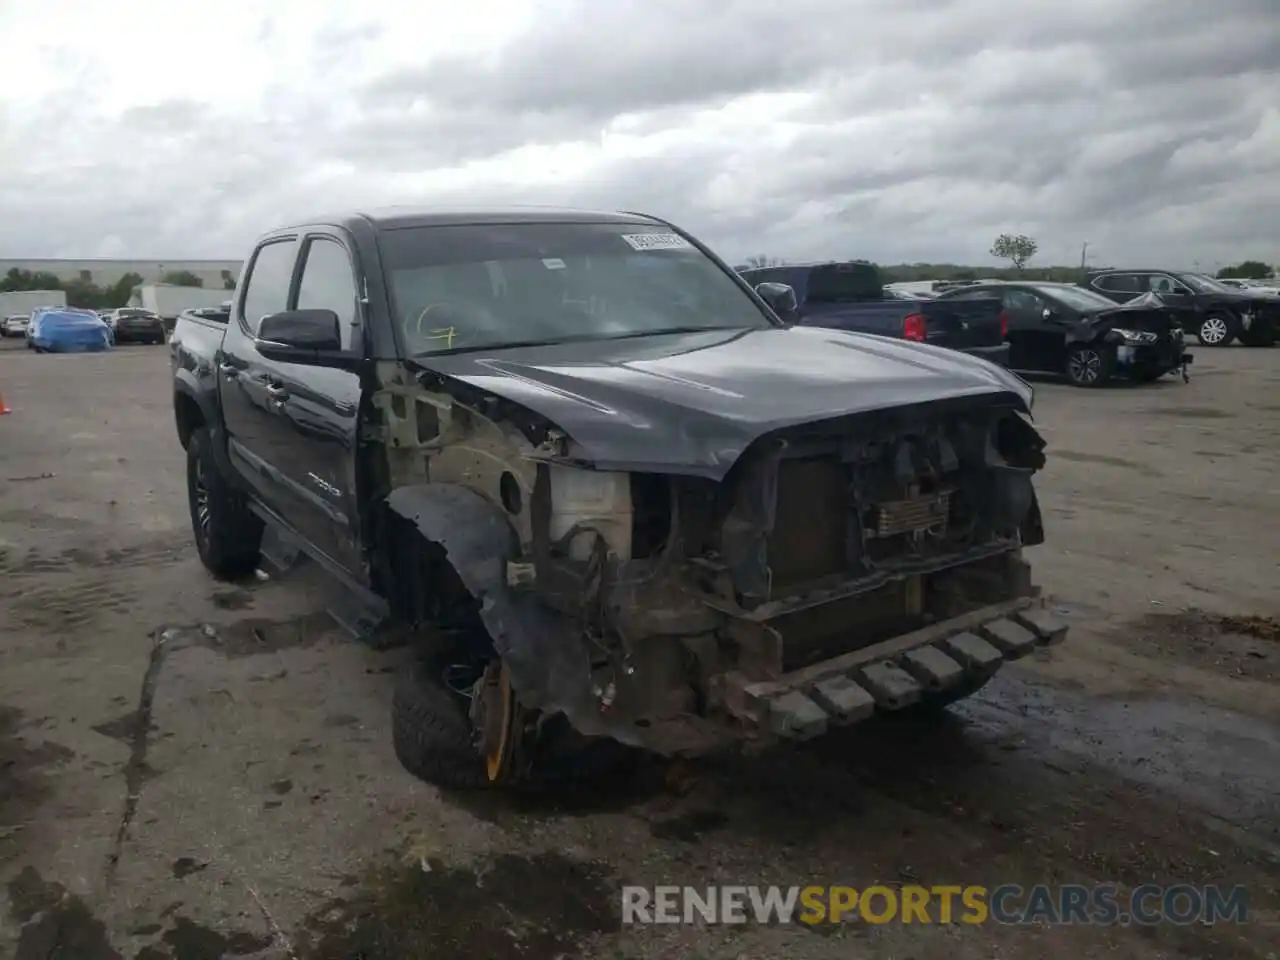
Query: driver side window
[
  {"x": 1020, "y": 301},
  {"x": 328, "y": 283}
]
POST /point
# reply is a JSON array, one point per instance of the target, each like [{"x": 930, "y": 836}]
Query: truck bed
[{"x": 971, "y": 326}]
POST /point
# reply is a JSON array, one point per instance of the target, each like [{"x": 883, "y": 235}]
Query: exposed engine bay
[{"x": 641, "y": 605}]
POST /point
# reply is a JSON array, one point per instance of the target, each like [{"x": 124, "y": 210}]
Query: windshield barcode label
[{"x": 657, "y": 241}]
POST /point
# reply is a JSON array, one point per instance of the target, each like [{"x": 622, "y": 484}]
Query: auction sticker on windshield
[{"x": 657, "y": 241}]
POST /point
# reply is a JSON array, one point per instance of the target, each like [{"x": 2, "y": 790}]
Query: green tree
[
  {"x": 1017, "y": 249},
  {"x": 1246, "y": 270},
  {"x": 118, "y": 293},
  {"x": 17, "y": 279},
  {"x": 182, "y": 278}
]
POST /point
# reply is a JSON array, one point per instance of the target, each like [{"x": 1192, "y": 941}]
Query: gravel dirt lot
[{"x": 194, "y": 770}]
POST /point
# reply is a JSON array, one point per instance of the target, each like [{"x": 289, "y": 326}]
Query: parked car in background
[
  {"x": 14, "y": 326},
  {"x": 849, "y": 296},
  {"x": 67, "y": 330},
  {"x": 1062, "y": 328},
  {"x": 136, "y": 325},
  {"x": 1216, "y": 314}
]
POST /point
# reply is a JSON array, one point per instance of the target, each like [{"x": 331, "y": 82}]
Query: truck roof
[{"x": 401, "y": 217}]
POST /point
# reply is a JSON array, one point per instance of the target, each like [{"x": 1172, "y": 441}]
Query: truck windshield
[{"x": 482, "y": 286}]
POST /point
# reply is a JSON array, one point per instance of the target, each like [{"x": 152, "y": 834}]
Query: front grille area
[{"x": 913, "y": 515}]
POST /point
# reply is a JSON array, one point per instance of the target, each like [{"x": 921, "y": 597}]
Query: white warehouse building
[{"x": 220, "y": 274}]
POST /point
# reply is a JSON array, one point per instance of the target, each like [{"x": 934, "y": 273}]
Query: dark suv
[{"x": 1214, "y": 312}]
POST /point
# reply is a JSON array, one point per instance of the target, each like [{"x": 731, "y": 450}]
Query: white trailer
[
  {"x": 168, "y": 300},
  {"x": 20, "y": 303}
]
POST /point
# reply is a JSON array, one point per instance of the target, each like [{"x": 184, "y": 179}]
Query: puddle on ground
[
  {"x": 531, "y": 908},
  {"x": 1224, "y": 762},
  {"x": 22, "y": 765},
  {"x": 57, "y": 923}
]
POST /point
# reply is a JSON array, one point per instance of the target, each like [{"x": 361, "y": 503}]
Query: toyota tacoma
[{"x": 606, "y": 493}]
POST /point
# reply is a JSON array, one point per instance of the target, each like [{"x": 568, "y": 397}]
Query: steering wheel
[{"x": 444, "y": 329}]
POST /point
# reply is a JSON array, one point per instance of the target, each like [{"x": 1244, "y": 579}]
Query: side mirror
[
  {"x": 303, "y": 329},
  {"x": 1048, "y": 313},
  {"x": 310, "y": 337},
  {"x": 781, "y": 299}
]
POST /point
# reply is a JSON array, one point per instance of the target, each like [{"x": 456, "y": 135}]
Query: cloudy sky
[{"x": 897, "y": 130}]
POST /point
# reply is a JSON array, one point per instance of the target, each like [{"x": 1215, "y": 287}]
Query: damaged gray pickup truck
[{"x": 603, "y": 490}]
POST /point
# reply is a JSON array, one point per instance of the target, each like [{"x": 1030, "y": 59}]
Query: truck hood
[{"x": 693, "y": 402}]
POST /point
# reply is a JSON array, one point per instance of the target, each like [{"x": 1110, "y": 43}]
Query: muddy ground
[{"x": 175, "y": 790}]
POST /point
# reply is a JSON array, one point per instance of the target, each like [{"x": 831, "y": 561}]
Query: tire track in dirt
[{"x": 18, "y": 564}]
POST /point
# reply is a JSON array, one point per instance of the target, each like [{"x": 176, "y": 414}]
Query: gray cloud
[{"x": 892, "y": 129}]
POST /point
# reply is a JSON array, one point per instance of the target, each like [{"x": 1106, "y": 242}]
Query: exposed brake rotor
[{"x": 499, "y": 723}]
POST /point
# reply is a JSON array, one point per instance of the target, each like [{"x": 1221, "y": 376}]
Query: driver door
[
  {"x": 1176, "y": 295},
  {"x": 1035, "y": 339},
  {"x": 315, "y": 427}
]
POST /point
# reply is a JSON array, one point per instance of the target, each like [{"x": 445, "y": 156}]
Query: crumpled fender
[{"x": 546, "y": 661}]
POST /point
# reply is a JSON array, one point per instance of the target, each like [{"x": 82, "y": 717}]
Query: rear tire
[
  {"x": 1089, "y": 365},
  {"x": 228, "y": 535}
]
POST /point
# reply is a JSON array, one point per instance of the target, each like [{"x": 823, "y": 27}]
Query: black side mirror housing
[
  {"x": 311, "y": 337},
  {"x": 781, "y": 298}
]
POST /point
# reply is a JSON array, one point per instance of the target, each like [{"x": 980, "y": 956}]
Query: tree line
[{"x": 84, "y": 293}]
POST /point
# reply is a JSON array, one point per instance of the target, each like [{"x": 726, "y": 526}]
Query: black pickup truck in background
[
  {"x": 849, "y": 295},
  {"x": 592, "y": 478}
]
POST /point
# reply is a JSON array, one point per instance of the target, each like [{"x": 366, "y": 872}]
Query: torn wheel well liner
[{"x": 547, "y": 667}]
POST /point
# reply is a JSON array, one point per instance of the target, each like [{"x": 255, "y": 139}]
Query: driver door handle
[
  {"x": 229, "y": 370},
  {"x": 277, "y": 393}
]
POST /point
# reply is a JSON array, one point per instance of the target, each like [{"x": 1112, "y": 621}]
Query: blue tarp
[{"x": 68, "y": 330}]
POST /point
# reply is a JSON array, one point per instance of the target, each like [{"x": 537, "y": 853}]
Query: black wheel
[
  {"x": 1262, "y": 334},
  {"x": 1216, "y": 330},
  {"x": 1089, "y": 365},
  {"x": 228, "y": 535},
  {"x": 484, "y": 742},
  {"x": 431, "y": 732}
]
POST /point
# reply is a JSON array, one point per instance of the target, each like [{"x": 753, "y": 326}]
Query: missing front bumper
[{"x": 894, "y": 674}]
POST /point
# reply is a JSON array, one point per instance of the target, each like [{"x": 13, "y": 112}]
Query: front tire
[
  {"x": 228, "y": 535},
  {"x": 431, "y": 732},
  {"x": 1216, "y": 330},
  {"x": 1089, "y": 365}
]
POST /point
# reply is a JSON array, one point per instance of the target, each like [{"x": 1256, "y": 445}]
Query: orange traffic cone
[{"x": 4, "y": 407}]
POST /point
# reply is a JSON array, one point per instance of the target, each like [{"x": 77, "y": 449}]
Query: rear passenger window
[
  {"x": 267, "y": 291},
  {"x": 327, "y": 283},
  {"x": 1119, "y": 283}
]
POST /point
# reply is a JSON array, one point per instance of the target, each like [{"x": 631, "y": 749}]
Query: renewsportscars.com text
[{"x": 1105, "y": 904}]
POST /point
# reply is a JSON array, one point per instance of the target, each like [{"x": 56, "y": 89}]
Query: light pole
[{"x": 1084, "y": 253}]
